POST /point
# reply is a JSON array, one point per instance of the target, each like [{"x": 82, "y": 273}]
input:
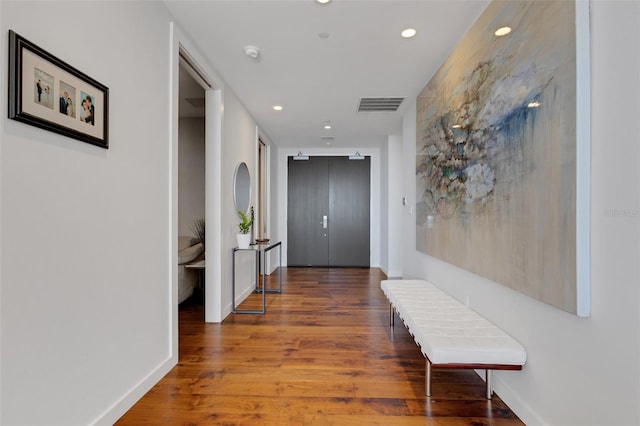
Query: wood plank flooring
[{"x": 323, "y": 354}]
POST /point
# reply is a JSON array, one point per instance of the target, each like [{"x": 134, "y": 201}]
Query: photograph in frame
[{"x": 46, "y": 92}]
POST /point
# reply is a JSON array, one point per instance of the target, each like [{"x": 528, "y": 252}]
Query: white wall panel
[{"x": 85, "y": 231}]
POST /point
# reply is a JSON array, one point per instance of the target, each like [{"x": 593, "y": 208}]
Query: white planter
[{"x": 244, "y": 240}]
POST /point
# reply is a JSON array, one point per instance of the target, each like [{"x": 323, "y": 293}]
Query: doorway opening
[{"x": 191, "y": 183}]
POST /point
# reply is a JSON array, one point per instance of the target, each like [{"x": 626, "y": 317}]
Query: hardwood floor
[{"x": 323, "y": 354}]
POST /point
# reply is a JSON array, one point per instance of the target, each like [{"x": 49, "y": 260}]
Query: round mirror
[{"x": 242, "y": 187}]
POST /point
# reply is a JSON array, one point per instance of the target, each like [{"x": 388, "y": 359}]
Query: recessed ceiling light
[
  {"x": 502, "y": 31},
  {"x": 327, "y": 125},
  {"x": 323, "y": 1},
  {"x": 408, "y": 33},
  {"x": 328, "y": 139},
  {"x": 534, "y": 104},
  {"x": 277, "y": 107}
]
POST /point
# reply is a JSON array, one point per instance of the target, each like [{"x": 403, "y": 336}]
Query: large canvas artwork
[{"x": 497, "y": 154}]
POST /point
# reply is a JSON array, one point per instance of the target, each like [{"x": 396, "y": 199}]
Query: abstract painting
[{"x": 496, "y": 154}]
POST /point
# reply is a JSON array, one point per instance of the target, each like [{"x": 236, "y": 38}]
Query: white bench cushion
[{"x": 447, "y": 331}]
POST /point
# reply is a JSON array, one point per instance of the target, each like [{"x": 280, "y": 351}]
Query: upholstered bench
[{"x": 450, "y": 334}]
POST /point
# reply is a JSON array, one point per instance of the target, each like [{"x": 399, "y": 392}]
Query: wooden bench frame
[{"x": 429, "y": 365}]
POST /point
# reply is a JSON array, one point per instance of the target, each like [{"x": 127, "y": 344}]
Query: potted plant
[
  {"x": 198, "y": 228},
  {"x": 244, "y": 238}
]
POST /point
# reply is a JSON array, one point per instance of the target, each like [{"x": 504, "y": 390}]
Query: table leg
[
  {"x": 264, "y": 287},
  {"x": 233, "y": 282}
]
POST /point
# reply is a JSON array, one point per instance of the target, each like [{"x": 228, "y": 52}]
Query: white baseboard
[
  {"x": 513, "y": 401},
  {"x": 517, "y": 404},
  {"x": 120, "y": 407},
  {"x": 247, "y": 291},
  {"x": 391, "y": 273}
]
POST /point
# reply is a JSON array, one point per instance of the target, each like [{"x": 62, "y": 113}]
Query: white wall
[
  {"x": 394, "y": 206},
  {"x": 84, "y": 243},
  {"x": 376, "y": 191},
  {"x": 580, "y": 371},
  {"x": 384, "y": 208},
  {"x": 191, "y": 173},
  {"x": 240, "y": 144}
]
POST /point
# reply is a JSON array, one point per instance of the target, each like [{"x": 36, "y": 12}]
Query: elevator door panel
[
  {"x": 308, "y": 195},
  {"x": 349, "y": 193}
]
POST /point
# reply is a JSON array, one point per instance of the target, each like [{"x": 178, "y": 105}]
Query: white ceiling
[{"x": 322, "y": 79}]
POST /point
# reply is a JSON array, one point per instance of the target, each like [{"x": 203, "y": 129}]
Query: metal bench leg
[
  {"x": 427, "y": 378},
  {"x": 391, "y": 319},
  {"x": 488, "y": 378}
]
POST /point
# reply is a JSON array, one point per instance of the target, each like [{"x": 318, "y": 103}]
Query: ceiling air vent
[{"x": 379, "y": 104}]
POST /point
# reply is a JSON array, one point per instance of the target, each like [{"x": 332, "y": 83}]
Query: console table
[
  {"x": 199, "y": 266},
  {"x": 260, "y": 252}
]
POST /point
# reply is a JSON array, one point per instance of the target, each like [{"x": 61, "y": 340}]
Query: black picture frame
[{"x": 48, "y": 93}]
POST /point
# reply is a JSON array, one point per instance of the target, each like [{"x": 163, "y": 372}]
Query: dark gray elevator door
[{"x": 336, "y": 188}]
